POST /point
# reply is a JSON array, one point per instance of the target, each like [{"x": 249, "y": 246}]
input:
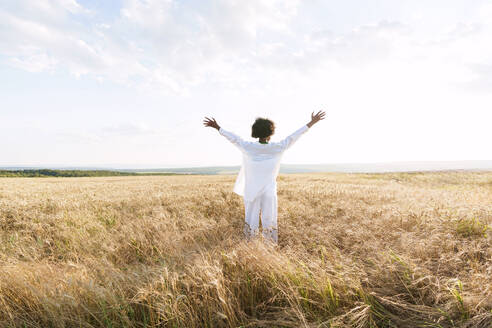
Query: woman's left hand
[{"x": 211, "y": 122}]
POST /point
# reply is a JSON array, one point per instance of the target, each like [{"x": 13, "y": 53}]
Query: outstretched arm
[
  {"x": 290, "y": 140},
  {"x": 236, "y": 140}
]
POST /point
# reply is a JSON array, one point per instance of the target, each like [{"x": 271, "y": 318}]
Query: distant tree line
[{"x": 63, "y": 173}]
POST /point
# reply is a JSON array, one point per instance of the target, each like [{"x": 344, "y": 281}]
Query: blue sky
[{"x": 127, "y": 83}]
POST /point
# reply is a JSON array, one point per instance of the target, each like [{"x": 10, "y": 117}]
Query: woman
[{"x": 256, "y": 180}]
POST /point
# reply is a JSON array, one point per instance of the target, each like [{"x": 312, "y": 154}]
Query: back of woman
[{"x": 257, "y": 178}]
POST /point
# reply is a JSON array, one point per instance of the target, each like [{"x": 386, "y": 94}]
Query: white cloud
[
  {"x": 158, "y": 43},
  {"x": 147, "y": 14},
  {"x": 34, "y": 63},
  {"x": 171, "y": 46},
  {"x": 71, "y": 6}
]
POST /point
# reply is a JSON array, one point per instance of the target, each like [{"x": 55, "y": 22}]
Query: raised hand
[
  {"x": 211, "y": 122},
  {"x": 315, "y": 118}
]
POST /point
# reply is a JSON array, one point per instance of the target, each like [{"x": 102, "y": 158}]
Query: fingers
[
  {"x": 320, "y": 115},
  {"x": 206, "y": 121},
  {"x": 210, "y": 121}
]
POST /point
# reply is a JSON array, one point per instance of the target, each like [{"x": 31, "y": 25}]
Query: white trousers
[{"x": 266, "y": 203}]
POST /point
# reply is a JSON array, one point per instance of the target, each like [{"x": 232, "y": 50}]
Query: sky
[{"x": 126, "y": 83}]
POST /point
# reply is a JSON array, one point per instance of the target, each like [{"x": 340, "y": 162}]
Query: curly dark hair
[{"x": 262, "y": 128}]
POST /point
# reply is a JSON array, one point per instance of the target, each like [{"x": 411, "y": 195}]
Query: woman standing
[{"x": 256, "y": 180}]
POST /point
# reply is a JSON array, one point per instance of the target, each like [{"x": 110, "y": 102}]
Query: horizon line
[{"x": 147, "y": 166}]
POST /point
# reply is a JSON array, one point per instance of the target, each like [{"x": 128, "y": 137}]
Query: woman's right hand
[{"x": 316, "y": 118}]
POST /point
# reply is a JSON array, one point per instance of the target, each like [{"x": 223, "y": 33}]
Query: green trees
[{"x": 62, "y": 173}]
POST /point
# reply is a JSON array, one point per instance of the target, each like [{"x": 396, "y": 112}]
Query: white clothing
[
  {"x": 261, "y": 162},
  {"x": 267, "y": 203},
  {"x": 256, "y": 180}
]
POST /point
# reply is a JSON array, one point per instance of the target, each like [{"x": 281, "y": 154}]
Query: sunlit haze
[{"x": 127, "y": 83}]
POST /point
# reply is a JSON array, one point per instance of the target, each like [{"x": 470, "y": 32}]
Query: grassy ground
[{"x": 355, "y": 250}]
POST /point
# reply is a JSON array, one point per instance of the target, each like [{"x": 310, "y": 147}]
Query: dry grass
[{"x": 355, "y": 250}]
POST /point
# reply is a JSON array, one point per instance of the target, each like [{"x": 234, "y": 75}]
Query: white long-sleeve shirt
[{"x": 261, "y": 162}]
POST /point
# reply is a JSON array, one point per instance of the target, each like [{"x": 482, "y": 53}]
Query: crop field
[{"x": 355, "y": 250}]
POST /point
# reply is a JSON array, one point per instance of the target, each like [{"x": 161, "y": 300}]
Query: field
[{"x": 355, "y": 250}]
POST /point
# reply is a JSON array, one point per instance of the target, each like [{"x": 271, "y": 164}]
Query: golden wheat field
[{"x": 355, "y": 250}]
